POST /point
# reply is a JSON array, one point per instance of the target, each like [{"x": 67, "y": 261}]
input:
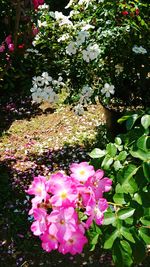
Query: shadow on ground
[{"x": 18, "y": 108}]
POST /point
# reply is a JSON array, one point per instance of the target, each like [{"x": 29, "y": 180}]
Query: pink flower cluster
[
  {"x": 64, "y": 207},
  {"x": 7, "y": 43}
]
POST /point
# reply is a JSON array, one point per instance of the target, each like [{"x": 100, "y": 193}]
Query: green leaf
[
  {"x": 97, "y": 153},
  {"x": 145, "y": 156},
  {"x": 117, "y": 165},
  {"x": 130, "y": 186},
  {"x": 109, "y": 242},
  {"x": 109, "y": 218},
  {"x": 145, "y": 220},
  {"x": 145, "y": 234},
  {"x": 128, "y": 172},
  {"x": 123, "y": 118},
  {"x": 130, "y": 122},
  {"x": 119, "y": 198},
  {"x": 122, "y": 254},
  {"x": 137, "y": 198},
  {"x": 111, "y": 149},
  {"x": 125, "y": 213},
  {"x": 139, "y": 251},
  {"x": 107, "y": 161},
  {"x": 118, "y": 141},
  {"x": 145, "y": 121},
  {"x": 122, "y": 155},
  {"x": 94, "y": 241},
  {"x": 146, "y": 170},
  {"x": 126, "y": 233},
  {"x": 142, "y": 143}
]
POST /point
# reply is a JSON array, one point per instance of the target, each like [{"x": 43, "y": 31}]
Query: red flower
[
  {"x": 125, "y": 13},
  {"x": 137, "y": 11},
  {"x": 21, "y": 46}
]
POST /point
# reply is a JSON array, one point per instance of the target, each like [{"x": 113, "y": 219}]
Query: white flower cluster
[
  {"x": 62, "y": 19},
  {"x": 43, "y": 6},
  {"x": 42, "y": 24},
  {"x": 85, "y": 96},
  {"x": 80, "y": 2},
  {"x": 91, "y": 52},
  {"x": 139, "y": 50},
  {"x": 71, "y": 49},
  {"x": 107, "y": 90},
  {"x": 42, "y": 88}
]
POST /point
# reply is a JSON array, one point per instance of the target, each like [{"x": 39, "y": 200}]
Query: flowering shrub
[
  {"x": 43, "y": 88},
  {"x": 64, "y": 207},
  {"x": 125, "y": 229},
  {"x": 99, "y": 44}
]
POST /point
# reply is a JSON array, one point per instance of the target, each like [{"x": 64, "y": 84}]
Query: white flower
[
  {"x": 79, "y": 110},
  {"x": 91, "y": 52},
  {"x": 86, "y": 94},
  {"x": 63, "y": 37},
  {"x": 52, "y": 14},
  {"x": 71, "y": 48},
  {"x": 37, "y": 81},
  {"x": 72, "y": 13},
  {"x": 87, "y": 90},
  {"x": 69, "y": 4},
  {"x": 94, "y": 51},
  {"x": 107, "y": 90},
  {"x": 36, "y": 97},
  {"x": 46, "y": 78},
  {"x": 118, "y": 68},
  {"x": 52, "y": 97},
  {"x": 82, "y": 35},
  {"x": 86, "y": 55},
  {"x": 60, "y": 79},
  {"x": 139, "y": 49},
  {"x": 62, "y": 19},
  {"x": 44, "y": 6},
  {"x": 86, "y": 2},
  {"x": 87, "y": 27},
  {"x": 42, "y": 24},
  {"x": 34, "y": 88}
]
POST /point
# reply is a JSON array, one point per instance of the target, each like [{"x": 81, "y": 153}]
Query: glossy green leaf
[
  {"x": 128, "y": 172},
  {"x": 122, "y": 156},
  {"x": 122, "y": 254},
  {"x": 117, "y": 165},
  {"x": 145, "y": 121},
  {"x": 125, "y": 213},
  {"x": 97, "y": 153},
  {"x": 119, "y": 198},
  {"x": 123, "y": 118},
  {"x": 111, "y": 149},
  {"x": 118, "y": 141},
  {"x": 130, "y": 122},
  {"x": 109, "y": 218},
  {"x": 126, "y": 234},
  {"x": 130, "y": 186},
  {"x": 145, "y": 220},
  {"x": 107, "y": 161},
  {"x": 137, "y": 198},
  {"x": 109, "y": 242},
  {"x": 142, "y": 143},
  {"x": 146, "y": 170},
  {"x": 145, "y": 234},
  {"x": 145, "y": 156}
]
